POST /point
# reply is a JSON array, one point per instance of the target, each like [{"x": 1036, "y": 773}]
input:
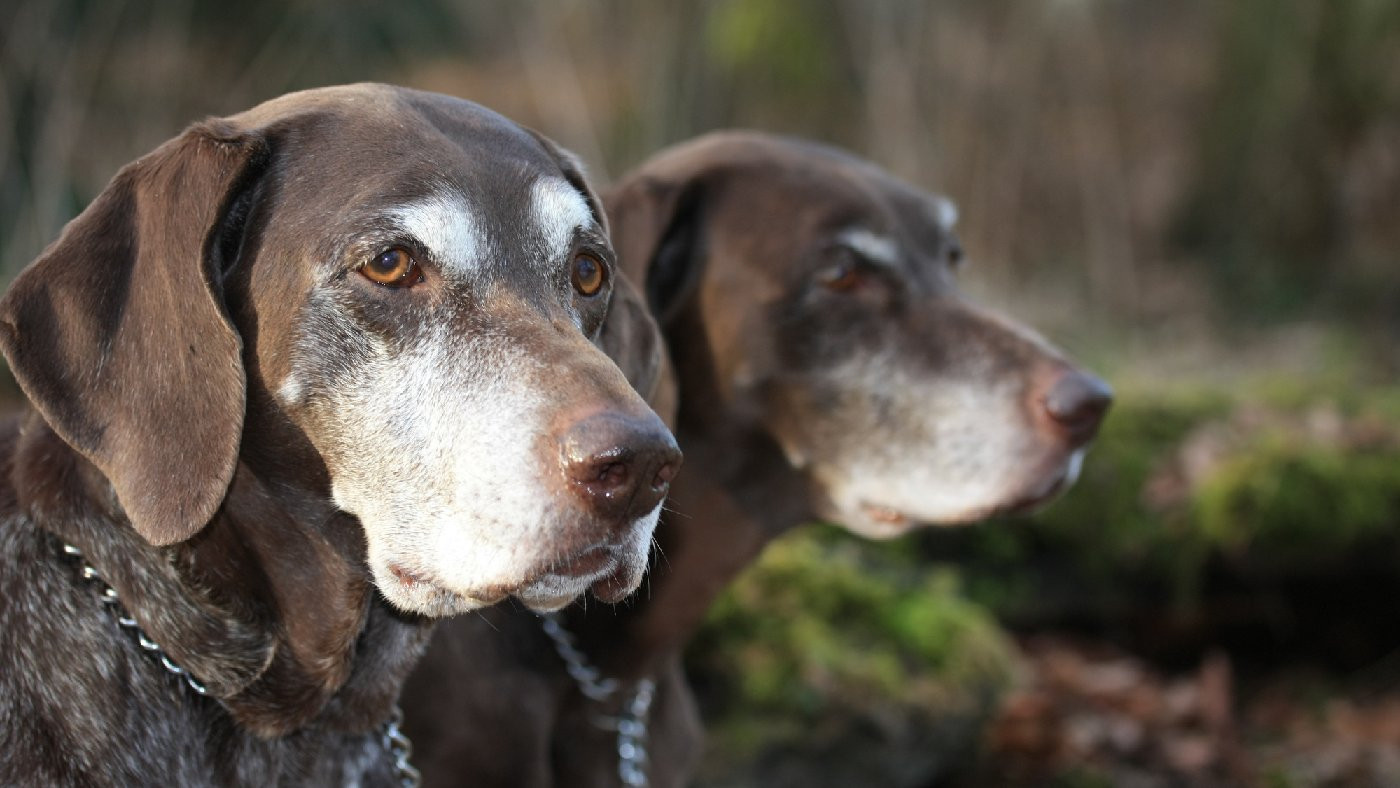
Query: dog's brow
[
  {"x": 878, "y": 249},
  {"x": 447, "y": 227},
  {"x": 558, "y": 210}
]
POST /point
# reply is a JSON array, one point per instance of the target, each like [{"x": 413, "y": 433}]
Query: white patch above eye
[
  {"x": 945, "y": 212},
  {"x": 878, "y": 249},
  {"x": 449, "y": 230},
  {"x": 558, "y": 210}
]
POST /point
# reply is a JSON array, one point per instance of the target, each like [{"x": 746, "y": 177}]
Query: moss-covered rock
[{"x": 826, "y": 660}]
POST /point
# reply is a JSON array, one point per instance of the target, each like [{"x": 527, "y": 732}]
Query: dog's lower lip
[
  {"x": 885, "y": 515},
  {"x": 884, "y": 521},
  {"x": 589, "y": 562},
  {"x": 613, "y": 587},
  {"x": 404, "y": 576}
]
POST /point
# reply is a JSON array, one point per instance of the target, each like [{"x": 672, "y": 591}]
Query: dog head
[
  {"x": 810, "y": 297},
  {"x": 394, "y": 299}
]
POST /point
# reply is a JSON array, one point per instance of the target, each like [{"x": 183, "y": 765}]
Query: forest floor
[{"x": 1087, "y": 714}]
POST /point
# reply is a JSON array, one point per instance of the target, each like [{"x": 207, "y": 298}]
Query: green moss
[
  {"x": 1285, "y": 500},
  {"x": 819, "y": 625}
]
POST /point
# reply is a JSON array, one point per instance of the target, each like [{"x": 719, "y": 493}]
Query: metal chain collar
[
  {"x": 401, "y": 750},
  {"x": 395, "y": 742},
  {"x": 630, "y": 724}
]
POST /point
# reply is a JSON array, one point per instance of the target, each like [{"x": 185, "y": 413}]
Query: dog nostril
[
  {"x": 618, "y": 466},
  {"x": 663, "y": 477},
  {"x": 1078, "y": 402},
  {"x": 612, "y": 474}
]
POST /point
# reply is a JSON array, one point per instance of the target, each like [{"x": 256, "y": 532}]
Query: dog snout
[
  {"x": 620, "y": 466},
  {"x": 1076, "y": 402}
]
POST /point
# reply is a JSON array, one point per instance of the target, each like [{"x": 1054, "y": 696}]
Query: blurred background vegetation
[{"x": 1202, "y": 200}]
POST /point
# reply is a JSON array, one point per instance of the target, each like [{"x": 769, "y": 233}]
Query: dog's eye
[
  {"x": 955, "y": 256},
  {"x": 841, "y": 277},
  {"x": 393, "y": 268},
  {"x": 588, "y": 275}
]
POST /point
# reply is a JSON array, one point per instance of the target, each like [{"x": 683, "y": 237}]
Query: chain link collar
[
  {"x": 393, "y": 739},
  {"x": 630, "y": 724},
  {"x": 401, "y": 750}
]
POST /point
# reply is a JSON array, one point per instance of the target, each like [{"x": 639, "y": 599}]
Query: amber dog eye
[
  {"x": 393, "y": 268},
  {"x": 840, "y": 278},
  {"x": 588, "y": 275}
]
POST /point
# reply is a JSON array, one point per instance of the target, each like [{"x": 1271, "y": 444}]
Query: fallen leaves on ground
[{"x": 1087, "y": 713}]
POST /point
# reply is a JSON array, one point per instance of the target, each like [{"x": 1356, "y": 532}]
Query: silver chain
[
  {"x": 108, "y": 596},
  {"x": 630, "y": 724},
  {"x": 395, "y": 742},
  {"x": 401, "y": 750}
]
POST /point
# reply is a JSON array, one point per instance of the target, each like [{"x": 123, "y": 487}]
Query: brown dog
[
  {"x": 827, "y": 368},
  {"x": 346, "y": 340}
]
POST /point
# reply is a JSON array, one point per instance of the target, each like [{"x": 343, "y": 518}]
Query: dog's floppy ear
[
  {"x": 119, "y": 336},
  {"x": 656, "y": 229}
]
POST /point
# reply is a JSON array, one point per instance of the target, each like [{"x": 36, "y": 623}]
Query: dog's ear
[
  {"x": 119, "y": 335},
  {"x": 630, "y": 337},
  {"x": 656, "y": 229}
]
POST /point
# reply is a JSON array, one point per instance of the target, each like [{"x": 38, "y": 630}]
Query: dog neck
[
  {"x": 340, "y": 653},
  {"x": 269, "y": 606}
]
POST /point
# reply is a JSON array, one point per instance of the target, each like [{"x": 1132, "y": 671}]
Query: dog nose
[
  {"x": 1077, "y": 401},
  {"x": 620, "y": 466}
]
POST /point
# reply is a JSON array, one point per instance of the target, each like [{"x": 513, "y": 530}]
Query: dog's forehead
[
  {"x": 864, "y": 209},
  {"x": 881, "y": 217},
  {"x": 468, "y": 184},
  {"x": 387, "y": 110},
  {"x": 347, "y": 137}
]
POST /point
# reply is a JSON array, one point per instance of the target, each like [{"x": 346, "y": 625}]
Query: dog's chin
[
  {"x": 609, "y": 581},
  {"x": 414, "y": 593},
  {"x": 875, "y": 519},
  {"x": 611, "y": 569}
]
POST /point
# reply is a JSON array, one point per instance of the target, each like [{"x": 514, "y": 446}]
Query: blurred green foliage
[
  {"x": 781, "y": 48},
  {"x": 1299, "y": 92}
]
